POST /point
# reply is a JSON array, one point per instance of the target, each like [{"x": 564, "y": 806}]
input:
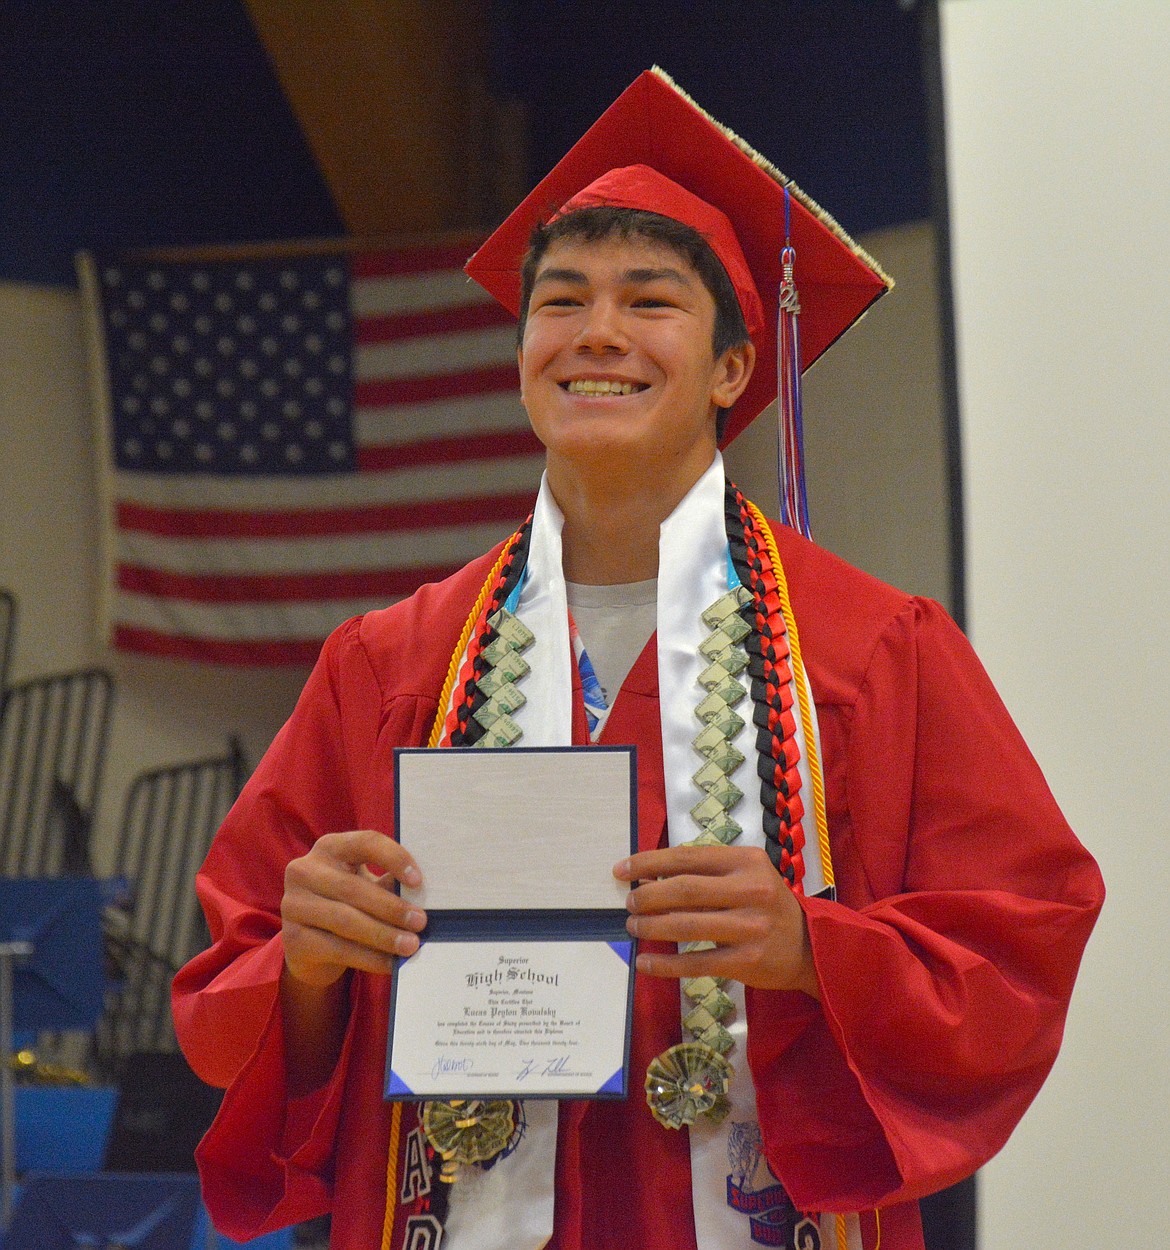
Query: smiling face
[{"x": 617, "y": 367}]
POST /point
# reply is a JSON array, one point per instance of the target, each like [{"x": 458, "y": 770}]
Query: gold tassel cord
[{"x": 392, "y": 1176}]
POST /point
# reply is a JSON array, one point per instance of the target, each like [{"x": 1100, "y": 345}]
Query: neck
[{"x": 611, "y": 527}]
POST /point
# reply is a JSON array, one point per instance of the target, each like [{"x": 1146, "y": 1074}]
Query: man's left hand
[{"x": 728, "y": 895}]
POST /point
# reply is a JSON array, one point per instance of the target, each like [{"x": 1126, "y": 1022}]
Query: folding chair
[
  {"x": 170, "y": 816},
  {"x": 53, "y": 733}
]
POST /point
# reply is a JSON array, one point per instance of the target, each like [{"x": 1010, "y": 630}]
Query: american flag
[{"x": 291, "y": 440}]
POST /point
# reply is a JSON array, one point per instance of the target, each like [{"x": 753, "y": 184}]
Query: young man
[{"x": 832, "y": 801}]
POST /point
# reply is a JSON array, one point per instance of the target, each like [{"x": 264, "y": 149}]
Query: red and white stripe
[{"x": 258, "y": 570}]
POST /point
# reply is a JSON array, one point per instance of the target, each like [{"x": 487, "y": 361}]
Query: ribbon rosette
[
  {"x": 468, "y": 1131},
  {"x": 687, "y": 1081}
]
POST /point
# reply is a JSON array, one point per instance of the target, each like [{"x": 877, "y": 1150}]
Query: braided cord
[
  {"x": 814, "y": 764},
  {"x": 772, "y": 694},
  {"x": 392, "y": 1176},
  {"x": 802, "y": 691},
  {"x": 462, "y": 729},
  {"x": 461, "y": 646},
  {"x": 503, "y": 574}
]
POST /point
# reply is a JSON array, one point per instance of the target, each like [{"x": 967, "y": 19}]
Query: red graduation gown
[{"x": 945, "y": 966}]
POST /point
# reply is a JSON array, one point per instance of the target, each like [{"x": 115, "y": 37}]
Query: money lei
[
  {"x": 498, "y": 696},
  {"x": 691, "y": 1079}
]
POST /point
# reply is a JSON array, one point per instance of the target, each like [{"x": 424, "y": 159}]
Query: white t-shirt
[{"x": 615, "y": 623}]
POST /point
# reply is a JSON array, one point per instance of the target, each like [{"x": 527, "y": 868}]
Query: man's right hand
[{"x": 340, "y": 911}]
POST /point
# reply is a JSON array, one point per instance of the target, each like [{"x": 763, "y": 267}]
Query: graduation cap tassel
[{"x": 793, "y": 492}]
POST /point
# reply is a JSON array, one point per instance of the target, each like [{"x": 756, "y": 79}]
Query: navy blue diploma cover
[{"x": 523, "y": 984}]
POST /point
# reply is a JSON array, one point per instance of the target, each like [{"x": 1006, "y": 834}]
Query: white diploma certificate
[{"x": 523, "y": 984}]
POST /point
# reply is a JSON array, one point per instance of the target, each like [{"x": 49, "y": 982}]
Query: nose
[{"x": 601, "y": 329}]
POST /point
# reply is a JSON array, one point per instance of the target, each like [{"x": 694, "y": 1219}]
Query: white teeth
[{"x": 593, "y": 386}]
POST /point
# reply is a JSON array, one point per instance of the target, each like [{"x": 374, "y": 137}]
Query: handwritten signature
[
  {"x": 558, "y": 1066},
  {"x": 447, "y": 1063}
]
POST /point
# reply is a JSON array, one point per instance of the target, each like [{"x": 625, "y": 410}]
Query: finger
[
  {"x": 776, "y": 961},
  {"x": 307, "y": 949},
  {"x": 363, "y": 855},
  {"x": 678, "y": 860},
  {"x": 328, "y": 880},
  {"x": 353, "y": 924},
  {"x": 754, "y": 887},
  {"x": 358, "y": 847},
  {"x": 731, "y": 963},
  {"x": 727, "y": 928},
  {"x": 674, "y": 967},
  {"x": 748, "y": 963},
  {"x": 688, "y": 893}
]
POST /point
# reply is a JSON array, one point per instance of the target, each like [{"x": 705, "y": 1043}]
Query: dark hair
[{"x": 606, "y": 221}]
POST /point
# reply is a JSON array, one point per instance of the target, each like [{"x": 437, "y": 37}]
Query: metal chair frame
[
  {"x": 7, "y": 634},
  {"x": 53, "y": 735},
  {"x": 171, "y": 815}
]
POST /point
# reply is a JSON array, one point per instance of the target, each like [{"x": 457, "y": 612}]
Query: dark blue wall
[
  {"x": 139, "y": 123},
  {"x": 831, "y": 91},
  {"x": 131, "y": 123}
]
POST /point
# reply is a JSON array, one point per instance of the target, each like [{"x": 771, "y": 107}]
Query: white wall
[{"x": 1058, "y": 123}]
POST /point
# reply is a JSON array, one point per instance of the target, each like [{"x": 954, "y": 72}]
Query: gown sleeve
[
  {"x": 947, "y": 965},
  {"x": 266, "y": 1162}
]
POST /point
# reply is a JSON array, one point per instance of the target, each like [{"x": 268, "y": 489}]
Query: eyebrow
[{"x": 636, "y": 276}]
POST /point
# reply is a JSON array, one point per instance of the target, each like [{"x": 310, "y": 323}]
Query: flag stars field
[{"x": 297, "y": 440}]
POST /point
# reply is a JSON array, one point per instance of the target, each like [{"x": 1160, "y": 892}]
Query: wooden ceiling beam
[{"x": 390, "y": 95}]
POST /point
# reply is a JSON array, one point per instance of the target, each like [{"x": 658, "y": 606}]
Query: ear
[{"x": 733, "y": 370}]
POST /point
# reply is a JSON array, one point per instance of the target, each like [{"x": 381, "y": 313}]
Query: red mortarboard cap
[{"x": 655, "y": 149}]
